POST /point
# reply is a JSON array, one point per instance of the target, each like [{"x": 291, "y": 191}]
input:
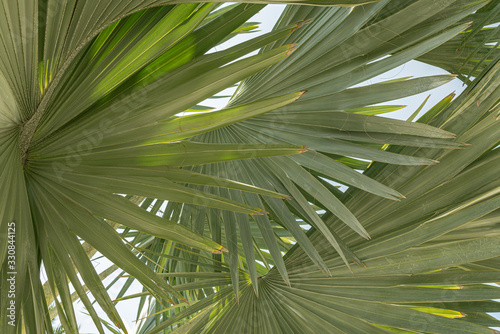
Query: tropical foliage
[{"x": 232, "y": 220}]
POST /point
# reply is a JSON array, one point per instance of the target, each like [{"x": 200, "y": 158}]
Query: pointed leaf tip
[
  {"x": 259, "y": 212},
  {"x": 303, "y": 149},
  {"x": 220, "y": 250},
  {"x": 301, "y": 24},
  {"x": 291, "y": 48},
  {"x": 301, "y": 93}
]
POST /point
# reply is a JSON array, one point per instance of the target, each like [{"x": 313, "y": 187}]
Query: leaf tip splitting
[
  {"x": 291, "y": 47},
  {"x": 358, "y": 262},
  {"x": 255, "y": 291},
  {"x": 259, "y": 212},
  {"x": 301, "y": 93},
  {"x": 220, "y": 250},
  {"x": 395, "y": 198},
  {"x": 326, "y": 271},
  {"x": 300, "y": 24},
  {"x": 303, "y": 149}
]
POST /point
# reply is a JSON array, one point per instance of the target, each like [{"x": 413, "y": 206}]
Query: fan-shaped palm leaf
[
  {"x": 90, "y": 110},
  {"x": 427, "y": 263}
]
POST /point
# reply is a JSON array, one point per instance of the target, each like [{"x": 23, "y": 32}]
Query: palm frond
[
  {"x": 335, "y": 51},
  {"x": 425, "y": 268},
  {"x": 218, "y": 214}
]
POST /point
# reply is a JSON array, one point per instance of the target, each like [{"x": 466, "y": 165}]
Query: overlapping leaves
[
  {"x": 90, "y": 100},
  {"x": 340, "y": 48},
  {"x": 92, "y": 91},
  {"x": 425, "y": 268}
]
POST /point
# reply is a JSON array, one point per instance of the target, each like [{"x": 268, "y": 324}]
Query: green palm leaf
[
  {"x": 332, "y": 109},
  {"x": 426, "y": 266},
  {"x": 96, "y": 155},
  {"x": 112, "y": 74}
]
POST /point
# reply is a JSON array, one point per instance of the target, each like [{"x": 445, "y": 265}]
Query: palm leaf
[
  {"x": 50, "y": 200},
  {"x": 86, "y": 123},
  {"x": 332, "y": 110},
  {"x": 427, "y": 263}
]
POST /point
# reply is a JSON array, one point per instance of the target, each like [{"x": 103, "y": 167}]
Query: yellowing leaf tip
[
  {"x": 259, "y": 212},
  {"x": 220, "y": 250},
  {"x": 303, "y": 149},
  {"x": 300, "y": 24},
  {"x": 291, "y": 48},
  {"x": 301, "y": 93}
]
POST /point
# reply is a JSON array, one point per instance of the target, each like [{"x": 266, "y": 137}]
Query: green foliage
[{"x": 230, "y": 219}]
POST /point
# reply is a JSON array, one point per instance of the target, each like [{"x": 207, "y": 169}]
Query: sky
[{"x": 268, "y": 16}]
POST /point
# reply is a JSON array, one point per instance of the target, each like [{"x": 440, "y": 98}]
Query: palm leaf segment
[
  {"x": 428, "y": 259},
  {"x": 430, "y": 256},
  {"x": 254, "y": 237},
  {"x": 335, "y": 51},
  {"x": 78, "y": 82},
  {"x": 65, "y": 47}
]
